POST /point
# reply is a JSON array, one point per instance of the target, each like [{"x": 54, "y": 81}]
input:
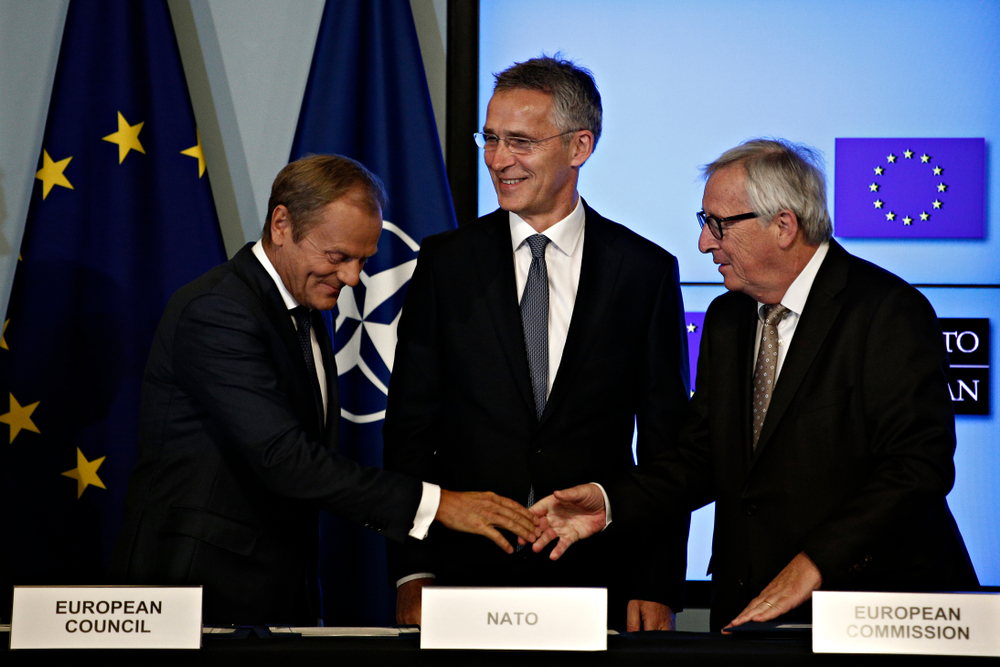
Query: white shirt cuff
[
  {"x": 418, "y": 575},
  {"x": 427, "y": 510},
  {"x": 607, "y": 504}
]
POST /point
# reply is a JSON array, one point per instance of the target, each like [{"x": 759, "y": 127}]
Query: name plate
[
  {"x": 917, "y": 623},
  {"x": 553, "y": 619},
  {"x": 106, "y": 617}
]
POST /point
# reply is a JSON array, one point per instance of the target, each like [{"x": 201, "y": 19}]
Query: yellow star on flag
[
  {"x": 196, "y": 152},
  {"x": 85, "y": 473},
  {"x": 907, "y": 220},
  {"x": 890, "y": 158},
  {"x": 692, "y": 327},
  {"x": 3, "y": 341},
  {"x": 907, "y": 154},
  {"x": 890, "y": 216},
  {"x": 51, "y": 174},
  {"x": 925, "y": 158},
  {"x": 942, "y": 187},
  {"x": 878, "y": 171},
  {"x": 925, "y": 216},
  {"x": 937, "y": 203},
  {"x": 873, "y": 187},
  {"x": 938, "y": 171},
  {"x": 19, "y": 418},
  {"x": 878, "y": 203},
  {"x": 127, "y": 137}
]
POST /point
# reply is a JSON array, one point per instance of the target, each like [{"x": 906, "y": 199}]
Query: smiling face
[
  {"x": 747, "y": 254},
  {"x": 540, "y": 186},
  {"x": 330, "y": 255}
]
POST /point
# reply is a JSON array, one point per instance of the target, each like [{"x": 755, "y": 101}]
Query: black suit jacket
[
  {"x": 235, "y": 461},
  {"x": 461, "y": 411},
  {"x": 855, "y": 457}
]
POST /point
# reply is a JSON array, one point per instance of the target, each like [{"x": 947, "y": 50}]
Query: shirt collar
[
  {"x": 564, "y": 235},
  {"x": 286, "y": 296},
  {"x": 797, "y": 293}
]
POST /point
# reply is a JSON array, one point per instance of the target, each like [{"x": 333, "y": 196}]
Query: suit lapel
[
  {"x": 598, "y": 278},
  {"x": 494, "y": 260},
  {"x": 818, "y": 315},
  {"x": 746, "y": 338},
  {"x": 259, "y": 280}
]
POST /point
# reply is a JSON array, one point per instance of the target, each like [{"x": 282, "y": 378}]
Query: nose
[
  {"x": 707, "y": 242},
  {"x": 350, "y": 272},
  {"x": 501, "y": 158}
]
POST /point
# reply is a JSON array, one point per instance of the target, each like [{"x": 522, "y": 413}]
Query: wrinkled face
[
  {"x": 542, "y": 183},
  {"x": 746, "y": 250},
  {"x": 330, "y": 256}
]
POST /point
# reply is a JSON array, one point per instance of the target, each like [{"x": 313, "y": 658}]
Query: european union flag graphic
[
  {"x": 367, "y": 98},
  {"x": 910, "y": 188},
  {"x": 121, "y": 216}
]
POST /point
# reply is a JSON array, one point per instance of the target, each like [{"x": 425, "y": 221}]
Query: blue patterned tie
[{"x": 535, "y": 320}]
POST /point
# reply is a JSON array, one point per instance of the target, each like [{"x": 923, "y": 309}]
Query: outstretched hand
[
  {"x": 793, "y": 586},
  {"x": 483, "y": 512},
  {"x": 569, "y": 515}
]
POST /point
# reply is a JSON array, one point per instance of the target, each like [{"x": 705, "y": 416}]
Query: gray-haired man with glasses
[{"x": 532, "y": 343}]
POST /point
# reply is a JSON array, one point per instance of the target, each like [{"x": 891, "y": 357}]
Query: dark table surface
[{"x": 667, "y": 648}]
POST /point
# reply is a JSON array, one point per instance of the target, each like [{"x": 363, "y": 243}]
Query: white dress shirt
[
  {"x": 794, "y": 300},
  {"x": 430, "y": 498},
  {"x": 563, "y": 260}
]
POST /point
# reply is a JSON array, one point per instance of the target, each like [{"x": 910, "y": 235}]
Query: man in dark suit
[
  {"x": 240, "y": 415},
  {"x": 531, "y": 343},
  {"x": 821, "y": 426}
]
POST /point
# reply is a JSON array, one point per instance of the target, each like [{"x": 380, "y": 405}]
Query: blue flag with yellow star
[
  {"x": 121, "y": 216},
  {"x": 367, "y": 99},
  {"x": 910, "y": 188}
]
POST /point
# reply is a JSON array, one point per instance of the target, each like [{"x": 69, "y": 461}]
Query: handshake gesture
[{"x": 570, "y": 515}]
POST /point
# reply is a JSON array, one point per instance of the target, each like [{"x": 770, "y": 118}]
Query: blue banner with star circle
[{"x": 910, "y": 188}]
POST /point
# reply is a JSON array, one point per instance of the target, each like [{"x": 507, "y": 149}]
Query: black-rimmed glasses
[
  {"x": 516, "y": 145},
  {"x": 715, "y": 224}
]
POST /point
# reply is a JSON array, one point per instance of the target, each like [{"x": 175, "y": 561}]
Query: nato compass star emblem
[{"x": 365, "y": 322}]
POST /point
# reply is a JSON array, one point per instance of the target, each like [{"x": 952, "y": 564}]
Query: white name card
[
  {"x": 106, "y": 617},
  {"x": 554, "y": 619},
  {"x": 917, "y": 623}
]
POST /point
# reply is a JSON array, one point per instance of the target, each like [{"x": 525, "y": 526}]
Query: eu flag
[
  {"x": 910, "y": 188},
  {"x": 367, "y": 99},
  {"x": 121, "y": 216}
]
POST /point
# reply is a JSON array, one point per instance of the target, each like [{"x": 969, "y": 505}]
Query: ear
[
  {"x": 786, "y": 225},
  {"x": 281, "y": 226},
  {"x": 582, "y": 146}
]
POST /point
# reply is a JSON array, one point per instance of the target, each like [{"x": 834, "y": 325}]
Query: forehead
[
  {"x": 347, "y": 224},
  {"x": 725, "y": 191},
  {"x": 519, "y": 111}
]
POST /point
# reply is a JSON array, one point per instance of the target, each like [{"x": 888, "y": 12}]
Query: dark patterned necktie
[
  {"x": 535, "y": 320},
  {"x": 303, "y": 320},
  {"x": 765, "y": 372}
]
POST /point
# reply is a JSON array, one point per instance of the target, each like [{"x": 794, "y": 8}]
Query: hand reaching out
[
  {"x": 483, "y": 512},
  {"x": 569, "y": 515}
]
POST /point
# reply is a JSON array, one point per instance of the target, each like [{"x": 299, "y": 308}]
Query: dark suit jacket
[
  {"x": 234, "y": 460},
  {"x": 461, "y": 411},
  {"x": 855, "y": 457}
]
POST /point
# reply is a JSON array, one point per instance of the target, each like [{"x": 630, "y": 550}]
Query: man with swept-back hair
[
  {"x": 532, "y": 343},
  {"x": 822, "y": 425},
  {"x": 239, "y": 418}
]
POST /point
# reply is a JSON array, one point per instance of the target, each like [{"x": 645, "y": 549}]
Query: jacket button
[{"x": 751, "y": 509}]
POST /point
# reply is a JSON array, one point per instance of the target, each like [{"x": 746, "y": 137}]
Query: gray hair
[
  {"x": 577, "y": 101},
  {"x": 782, "y": 175}
]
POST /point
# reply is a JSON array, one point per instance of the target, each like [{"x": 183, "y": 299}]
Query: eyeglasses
[
  {"x": 715, "y": 224},
  {"x": 516, "y": 145}
]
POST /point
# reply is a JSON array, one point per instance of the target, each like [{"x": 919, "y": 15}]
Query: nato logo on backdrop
[
  {"x": 967, "y": 340},
  {"x": 910, "y": 188}
]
